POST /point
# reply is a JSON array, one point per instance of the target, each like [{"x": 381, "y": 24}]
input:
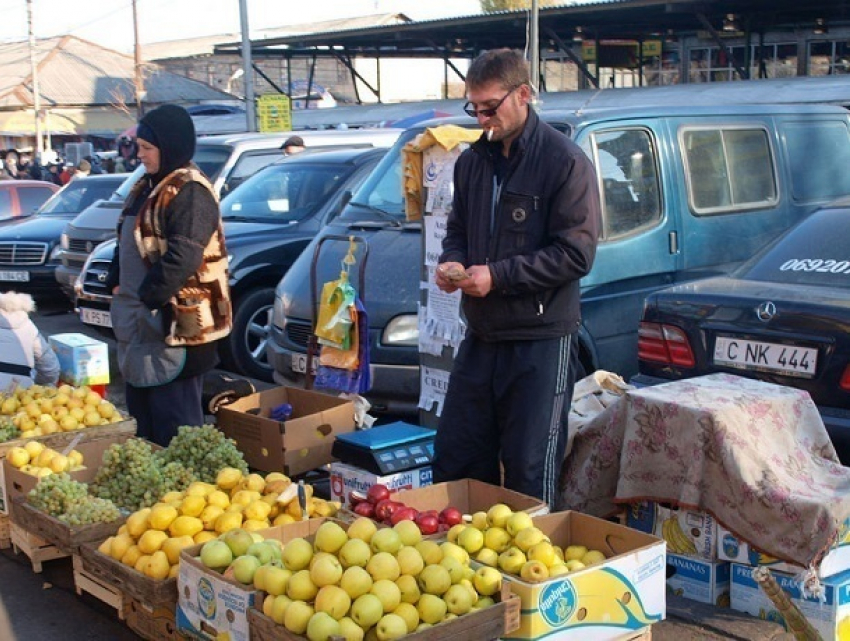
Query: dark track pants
[
  {"x": 508, "y": 400},
  {"x": 160, "y": 410}
]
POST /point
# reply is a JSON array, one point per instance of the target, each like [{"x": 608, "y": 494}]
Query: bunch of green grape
[
  {"x": 129, "y": 475},
  {"x": 89, "y": 510},
  {"x": 55, "y": 493},
  {"x": 203, "y": 450},
  {"x": 8, "y": 431}
]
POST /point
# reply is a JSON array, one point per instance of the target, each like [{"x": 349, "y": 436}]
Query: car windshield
[
  {"x": 77, "y": 195},
  {"x": 287, "y": 192},
  {"x": 812, "y": 253},
  {"x": 211, "y": 158},
  {"x": 383, "y": 191}
]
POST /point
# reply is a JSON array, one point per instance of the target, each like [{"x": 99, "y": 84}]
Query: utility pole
[
  {"x": 36, "y": 99},
  {"x": 247, "y": 66},
  {"x": 137, "y": 64}
]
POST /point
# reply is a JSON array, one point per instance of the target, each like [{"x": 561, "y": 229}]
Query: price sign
[{"x": 274, "y": 113}]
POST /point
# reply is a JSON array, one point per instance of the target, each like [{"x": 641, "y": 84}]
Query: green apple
[
  {"x": 238, "y": 540},
  {"x": 574, "y": 552},
  {"x": 543, "y": 552},
  {"x": 409, "y": 613},
  {"x": 279, "y": 605},
  {"x": 534, "y": 572},
  {"x": 453, "y": 550},
  {"x": 458, "y": 599},
  {"x": 409, "y": 559},
  {"x": 383, "y": 565},
  {"x": 498, "y": 515},
  {"x": 391, "y": 626},
  {"x": 366, "y": 610},
  {"x": 297, "y": 554},
  {"x": 268, "y": 605},
  {"x": 575, "y": 564},
  {"x": 408, "y": 532},
  {"x": 330, "y": 537},
  {"x": 484, "y": 602},
  {"x": 301, "y": 587},
  {"x": 455, "y": 568},
  {"x": 558, "y": 569},
  {"x": 275, "y": 579},
  {"x": 355, "y": 552},
  {"x": 592, "y": 556},
  {"x": 244, "y": 568},
  {"x": 388, "y": 593},
  {"x": 479, "y": 521},
  {"x": 471, "y": 540},
  {"x": 497, "y": 539},
  {"x": 435, "y": 580},
  {"x": 216, "y": 554},
  {"x": 264, "y": 552},
  {"x": 333, "y": 600},
  {"x": 326, "y": 571},
  {"x": 487, "y": 557},
  {"x": 322, "y": 627},
  {"x": 518, "y": 521},
  {"x": 487, "y": 581},
  {"x": 431, "y": 552},
  {"x": 454, "y": 532},
  {"x": 385, "y": 540},
  {"x": 297, "y": 617},
  {"x": 349, "y": 630},
  {"x": 356, "y": 581},
  {"x": 528, "y": 537},
  {"x": 363, "y": 528},
  {"x": 409, "y": 588},
  {"x": 512, "y": 560},
  {"x": 432, "y": 609}
]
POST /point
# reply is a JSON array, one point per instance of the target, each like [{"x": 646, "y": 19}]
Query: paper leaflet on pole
[{"x": 433, "y": 385}]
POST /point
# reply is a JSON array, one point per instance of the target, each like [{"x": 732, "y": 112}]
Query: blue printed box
[
  {"x": 82, "y": 360},
  {"x": 687, "y": 532},
  {"x": 698, "y": 580},
  {"x": 830, "y": 616}
]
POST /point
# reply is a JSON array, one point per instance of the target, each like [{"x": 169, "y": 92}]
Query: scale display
[{"x": 386, "y": 449}]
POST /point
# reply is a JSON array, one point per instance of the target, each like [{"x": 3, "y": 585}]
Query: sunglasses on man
[{"x": 488, "y": 112}]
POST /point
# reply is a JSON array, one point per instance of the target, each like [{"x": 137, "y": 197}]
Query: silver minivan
[{"x": 227, "y": 160}]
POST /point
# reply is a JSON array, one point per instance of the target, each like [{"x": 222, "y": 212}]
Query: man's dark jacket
[{"x": 545, "y": 230}]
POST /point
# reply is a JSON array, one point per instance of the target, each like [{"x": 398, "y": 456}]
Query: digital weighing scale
[{"x": 386, "y": 449}]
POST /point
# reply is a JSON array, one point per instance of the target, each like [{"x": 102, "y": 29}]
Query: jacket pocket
[{"x": 522, "y": 225}]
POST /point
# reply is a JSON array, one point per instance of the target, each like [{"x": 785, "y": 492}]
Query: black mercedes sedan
[{"x": 782, "y": 317}]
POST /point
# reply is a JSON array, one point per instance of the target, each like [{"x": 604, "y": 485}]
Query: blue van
[{"x": 687, "y": 192}]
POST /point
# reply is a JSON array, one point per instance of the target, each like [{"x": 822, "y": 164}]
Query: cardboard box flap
[
  {"x": 467, "y": 495},
  {"x": 574, "y": 528}
]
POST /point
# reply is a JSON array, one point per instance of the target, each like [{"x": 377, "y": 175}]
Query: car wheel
[{"x": 245, "y": 348}]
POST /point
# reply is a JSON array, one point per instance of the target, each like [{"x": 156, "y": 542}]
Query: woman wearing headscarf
[{"x": 171, "y": 300}]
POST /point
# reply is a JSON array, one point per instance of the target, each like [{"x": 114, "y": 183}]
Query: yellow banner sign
[{"x": 274, "y": 113}]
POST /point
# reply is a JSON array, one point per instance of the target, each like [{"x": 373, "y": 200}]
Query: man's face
[{"x": 509, "y": 119}]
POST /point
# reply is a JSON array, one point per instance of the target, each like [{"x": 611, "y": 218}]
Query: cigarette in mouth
[{"x": 489, "y": 135}]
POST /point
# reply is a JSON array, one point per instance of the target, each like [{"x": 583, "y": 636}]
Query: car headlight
[
  {"x": 55, "y": 252},
  {"x": 402, "y": 330},
  {"x": 63, "y": 241},
  {"x": 279, "y": 312}
]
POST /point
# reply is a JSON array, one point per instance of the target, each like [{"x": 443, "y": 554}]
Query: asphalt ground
[{"x": 45, "y": 606}]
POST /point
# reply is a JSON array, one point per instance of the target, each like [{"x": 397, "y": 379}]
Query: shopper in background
[
  {"x": 25, "y": 355},
  {"x": 171, "y": 299},
  {"x": 293, "y": 145},
  {"x": 522, "y": 232}
]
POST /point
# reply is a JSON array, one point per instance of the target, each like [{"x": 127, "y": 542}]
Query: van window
[
  {"x": 729, "y": 169},
  {"x": 211, "y": 158},
  {"x": 249, "y": 164},
  {"x": 625, "y": 162},
  {"x": 818, "y": 154}
]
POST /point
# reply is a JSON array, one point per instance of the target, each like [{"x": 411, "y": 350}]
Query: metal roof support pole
[
  {"x": 310, "y": 82},
  {"x": 347, "y": 62},
  {"x": 250, "y": 114},
  {"x": 378, "y": 74},
  {"x": 288, "y": 75},
  {"x": 446, "y": 78},
  {"x": 708, "y": 27},
  {"x": 572, "y": 56},
  {"x": 534, "y": 46}
]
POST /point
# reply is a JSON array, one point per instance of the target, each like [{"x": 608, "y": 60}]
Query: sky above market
[{"x": 110, "y": 23}]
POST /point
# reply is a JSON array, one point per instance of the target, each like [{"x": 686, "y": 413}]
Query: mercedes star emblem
[{"x": 766, "y": 311}]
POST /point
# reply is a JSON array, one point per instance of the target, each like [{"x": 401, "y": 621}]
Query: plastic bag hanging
[{"x": 333, "y": 325}]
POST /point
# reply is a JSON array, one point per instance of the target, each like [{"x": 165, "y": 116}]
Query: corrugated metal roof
[
  {"x": 74, "y": 72},
  {"x": 204, "y": 45}
]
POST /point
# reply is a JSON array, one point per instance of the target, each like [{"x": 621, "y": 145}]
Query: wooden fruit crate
[
  {"x": 109, "y": 594},
  {"x": 5, "y": 534},
  {"x": 152, "y": 593},
  {"x": 152, "y": 623},
  {"x": 489, "y": 623},
  {"x": 37, "y": 549},
  {"x": 68, "y": 538}
]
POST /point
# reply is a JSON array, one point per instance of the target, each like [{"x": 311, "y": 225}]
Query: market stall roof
[
  {"x": 67, "y": 122},
  {"x": 466, "y": 36},
  {"x": 75, "y": 73}
]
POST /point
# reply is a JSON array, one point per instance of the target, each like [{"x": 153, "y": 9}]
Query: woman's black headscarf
[{"x": 171, "y": 130}]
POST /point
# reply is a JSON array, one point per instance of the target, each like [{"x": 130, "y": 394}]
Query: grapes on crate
[
  {"x": 69, "y": 501},
  {"x": 204, "y": 450}
]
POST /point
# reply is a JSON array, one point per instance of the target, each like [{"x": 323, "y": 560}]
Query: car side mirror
[{"x": 346, "y": 197}]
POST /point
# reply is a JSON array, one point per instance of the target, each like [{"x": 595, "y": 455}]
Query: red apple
[
  {"x": 365, "y": 509},
  {"x": 356, "y": 497},
  {"x": 445, "y": 527},
  {"x": 385, "y": 508},
  {"x": 428, "y": 523},
  {"x": 403, "y": 514},
  {"x": 451, "y": 516},
  {"x": 377, "y": 493}
]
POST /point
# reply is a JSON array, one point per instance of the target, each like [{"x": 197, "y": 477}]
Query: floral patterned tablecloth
[{"x": 755, "y": 455}]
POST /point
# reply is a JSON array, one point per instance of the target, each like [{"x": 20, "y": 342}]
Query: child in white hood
[{"x": 25, "y": 356}]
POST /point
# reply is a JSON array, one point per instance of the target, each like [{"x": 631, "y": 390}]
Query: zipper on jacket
[
  {"x": 492, "y": 246},
  {"x": 539, "y": 306}
]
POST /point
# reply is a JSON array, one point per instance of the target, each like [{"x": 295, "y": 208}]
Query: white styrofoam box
[{"x": 345, "y": 478}]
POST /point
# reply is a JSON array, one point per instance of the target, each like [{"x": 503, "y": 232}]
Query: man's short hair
[
  {"x": 505, "y": 66},
  {"x": 293, "y": 141}
]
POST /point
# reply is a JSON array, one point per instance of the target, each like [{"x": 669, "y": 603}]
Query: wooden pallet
[
  {"x": 142, "y": 589},
  {"x": 152, "y": 623},
  {"x": 5, "y": 533},
  {"x": 37, "y": 549},
  {"x": 85, "y": 582}
]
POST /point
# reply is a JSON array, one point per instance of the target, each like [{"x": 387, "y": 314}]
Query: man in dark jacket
[{"x": 522, "y": 232}]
